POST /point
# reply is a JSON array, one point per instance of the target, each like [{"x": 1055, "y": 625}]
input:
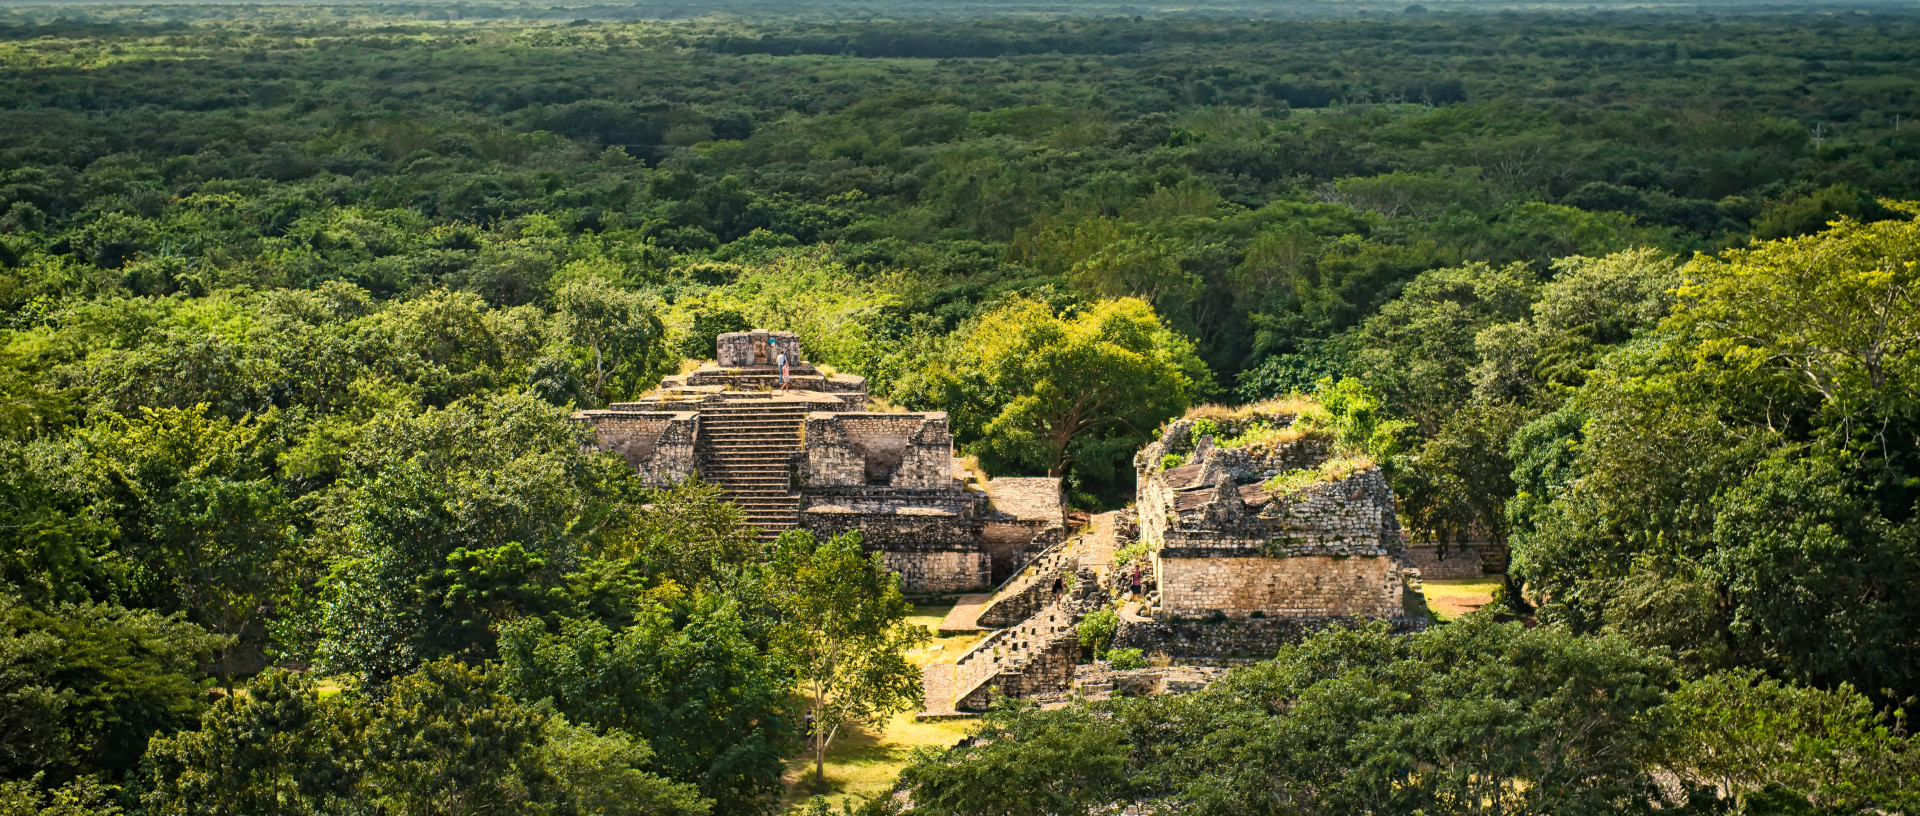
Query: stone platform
[{"x": 964, "y": 617}]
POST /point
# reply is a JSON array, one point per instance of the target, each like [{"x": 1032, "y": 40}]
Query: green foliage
[
  {"x": 1417, "y": 351},
  {"x": 688, "y": 680},
  {"x": 689, "y": 534},
  {"x": 1041, "y": 390},
  {"x": 1744, "y": 733},
  {"x": 1358, "y": 420},
  {"x": 281, "y": 749},
  {"x": 1136, "y": 551},
  {"x": 1022, "y": 762},
  {"x": 84, "y": 686},
  {"x": 443, "y": 739},
  {"x": 85, "y": 796},
  {"x": 1333, "y": 469},
  {"x": 206, "y": 526},
  {"x": 1262, "y": 434},
  {"x": 451, "y": 521},
  {"x": 621, "y": 330},
  {"x": 1097, "y": 629},
  {"x": 1124, "y": 659},
  {"x": 1472, "y": 715},
  {"x": 842, "y": 628},
  {"x": 1739, "y": 486}
]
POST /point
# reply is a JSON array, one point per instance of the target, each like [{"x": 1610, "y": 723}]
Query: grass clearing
[
  {"x": 940, "y": 649},
  {"x": 1452, "y": 597},
  {"x": 862, "y": 764}
]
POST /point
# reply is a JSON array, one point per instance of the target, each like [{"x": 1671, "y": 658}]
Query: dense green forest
[{"x": 295, "y": 301}]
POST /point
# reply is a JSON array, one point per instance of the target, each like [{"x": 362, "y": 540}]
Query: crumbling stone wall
[
  {"x": 1315, "y": 586},
  {"x": 933, "y": 549},
  {"x": 1461, "y": 560},
  {"x": 1010, "y": 542},
  {"x": 1247, "y": 638},
  {"x": 938, "y": 571},
  {"x": 1222, "y": 544},
  {"x": 658, "y": 445},
  {"x": 1351, "y": 516},
  {"x": 893, "y": 450},
  {"x": 1049, "y": 668},
  {"x": 1033, "y": 591},
  {"x": 749, "y": 348}
]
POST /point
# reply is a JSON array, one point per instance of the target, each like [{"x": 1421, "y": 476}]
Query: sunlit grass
[
  {"x": 1450, "y": 598},
  {"x": 862, "y": 764},
  {"x": 940, "y": 649}
]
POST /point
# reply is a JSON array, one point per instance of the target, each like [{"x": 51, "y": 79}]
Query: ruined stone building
[
  {"x": 1229, "y": 532},
  {"x": 1247, "y": 533},
  {"x": 813, "y": 457}
]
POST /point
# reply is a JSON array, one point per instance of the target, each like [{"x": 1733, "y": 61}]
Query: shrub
[
  {"x": 1097, "y": 630},
  {"x": 1124, "y": 659}
]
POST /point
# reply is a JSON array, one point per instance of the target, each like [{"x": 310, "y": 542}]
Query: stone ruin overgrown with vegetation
[
  {"x": 811, "y": 456},
  {"x": 1251, "y": 529}
]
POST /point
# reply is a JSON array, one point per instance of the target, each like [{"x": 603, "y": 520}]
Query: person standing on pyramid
[{"x": 780, "y": 360}]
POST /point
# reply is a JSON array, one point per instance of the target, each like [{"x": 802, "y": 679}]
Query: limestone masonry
[
  {"x": 1247, "y": 533},
  {"x": 1225, "y": 538},
  {"x": 1249, "y": 529},
  {"x": 811, "y": 456}
]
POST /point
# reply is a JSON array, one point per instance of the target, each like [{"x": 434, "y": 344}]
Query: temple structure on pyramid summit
[{"x": 811, "y": 456}]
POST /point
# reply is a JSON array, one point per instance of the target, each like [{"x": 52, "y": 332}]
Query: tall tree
[
  {"x": 619, "y": 328},
  {"x": 844, "y": 628},
  {"x": 1048, "y": 390},
  {"x": 1744, "y": 477},
  {"x": 684, "y": 677}
]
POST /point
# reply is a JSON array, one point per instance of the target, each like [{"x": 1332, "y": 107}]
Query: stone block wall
[
  {"x": 1315, "y": 586},
  {"x": 887, "y": 499},
  {"x": 1245, "y": 638},
  {"x": 1462, "y": 559},
  {"x": 938, "y": 571},
  {"x": 1033, "y": 591},
  {"x": 1010, "y": 542},
  {"x": 878, "y": 449},
  {"x": 933, "y": 549},
  {"x": 899, "y": 528},
  {"x": 1351, "y": 516},
  {"x": 749, "y": 348},
  {"x": 658, "y": 445},
  {"x": 1049, "y": 669}
]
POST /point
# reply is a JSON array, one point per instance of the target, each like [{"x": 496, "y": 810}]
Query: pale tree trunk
[{"x": 599, "y": 373}]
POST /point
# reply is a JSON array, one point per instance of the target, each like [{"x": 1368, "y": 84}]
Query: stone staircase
[
  {"x": 1037, "y": 655},
  {"x": 1031, "y": 589},
  {"x": 748, "y": 448}
]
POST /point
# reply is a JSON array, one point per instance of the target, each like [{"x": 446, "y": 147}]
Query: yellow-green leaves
[{"x": 1838, "y": 311}]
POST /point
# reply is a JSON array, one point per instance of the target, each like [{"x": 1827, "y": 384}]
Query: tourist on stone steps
[{"x": 785, "y": 380}]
